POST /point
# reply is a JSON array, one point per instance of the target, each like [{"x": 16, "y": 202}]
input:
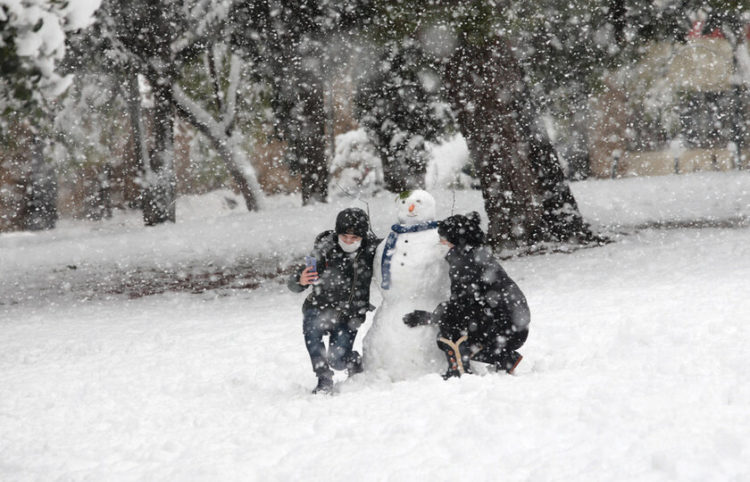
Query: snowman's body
[{"x": 416, "y": 278}]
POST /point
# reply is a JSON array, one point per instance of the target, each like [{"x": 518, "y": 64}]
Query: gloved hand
[{"x": 417, "y": 318}]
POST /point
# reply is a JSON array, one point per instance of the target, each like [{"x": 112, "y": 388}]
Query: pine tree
[
  {"x": 32, "y": 44},
  {"x": 291, "y": 47},
  {"x": 400, "y": 106}
]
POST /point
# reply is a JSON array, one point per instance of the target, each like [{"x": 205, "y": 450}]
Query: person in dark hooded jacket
[
  {"x": 487, "y": 317},
  {"x": 340, "y": 296}
]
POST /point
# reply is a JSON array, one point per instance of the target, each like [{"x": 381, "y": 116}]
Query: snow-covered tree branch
[
  {"x": 32, "y": 37},
  {"x": 225, "y": 139}
]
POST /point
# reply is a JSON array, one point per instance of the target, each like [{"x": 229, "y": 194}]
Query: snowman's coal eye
[{"x": 419, "y": 201}]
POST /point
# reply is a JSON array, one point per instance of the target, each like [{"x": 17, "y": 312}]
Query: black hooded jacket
[
  {"x": 344, "y": 278},
  {"x": 485, "y": 302}
]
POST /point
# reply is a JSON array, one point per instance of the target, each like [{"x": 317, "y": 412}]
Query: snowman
[{"x": 412, "y": 274}]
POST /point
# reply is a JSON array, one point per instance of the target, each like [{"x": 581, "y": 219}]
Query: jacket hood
[
  {"x": 353, "y": 221},
  {"x": 460, "y": 230}
]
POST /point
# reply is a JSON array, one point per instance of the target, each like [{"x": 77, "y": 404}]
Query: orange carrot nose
[{"x": 411, "y": 207}]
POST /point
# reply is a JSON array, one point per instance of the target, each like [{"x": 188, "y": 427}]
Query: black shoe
[
  {"x": 325, "y": 385},
  {"x": 509, "y": 360},
  {"x": 354, "y": 364},
  {"x": 354, "y": 369}
]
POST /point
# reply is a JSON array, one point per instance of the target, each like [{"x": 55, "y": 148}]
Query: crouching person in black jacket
[
  {"x": 340, "y": 296},
  {"x": 486, "y": 318}
]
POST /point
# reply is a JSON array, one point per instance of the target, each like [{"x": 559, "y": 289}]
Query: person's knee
[
  {"x": 338, "y": 357},
  {"x": 310, "y": 319},
  {"x": 340, "y": 353},
  {"x": 317, "y": 321},
  {"x": 510, "y": 339},
  {"x": 313, "y": 332},
  {"x": 337, "y": 363},
  {"x": 517, "y": 339}
]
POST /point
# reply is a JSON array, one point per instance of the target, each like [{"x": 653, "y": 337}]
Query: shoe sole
[{"x": 513, "y": 369}]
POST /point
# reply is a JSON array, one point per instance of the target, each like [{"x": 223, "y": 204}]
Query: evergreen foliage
[{"x": 400, "y": 106}]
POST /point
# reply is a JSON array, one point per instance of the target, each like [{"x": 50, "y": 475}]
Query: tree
[
  {"x": 400, "y": 106},
  {"x": 484, "y": 83},
  {"x": 288, "y": 43},
  {"x": 161, "y": 41},
  {"x": 563, "y": 47},
  {"x": 222, "y": 131},
  {"x": 90, "y": 132},
  {"x": 727, "y": 17},
  {"x": 32, "y": 42},
  {"x": 139, "y": 36},
  {"x": 526, "y": 196}
]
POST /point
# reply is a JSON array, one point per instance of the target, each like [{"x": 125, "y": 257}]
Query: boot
[
  {"x": 325, "y": 381},
  {"x": 325, "y": 385},
  {"x": 353, "y": 364},
  {"x": 457, "y": 354},
  {"x": 508, "y": 362}
]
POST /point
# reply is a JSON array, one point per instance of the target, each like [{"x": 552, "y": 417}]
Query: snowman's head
[{"x": 415, "y": 207}]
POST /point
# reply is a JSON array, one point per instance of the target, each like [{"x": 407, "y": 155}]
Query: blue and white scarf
[{"x": 390, "y": 243}]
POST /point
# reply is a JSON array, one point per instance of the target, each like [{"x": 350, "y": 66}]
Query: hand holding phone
[
  {"x": 310, "y": 274},
  {"x": 311, "y": 262}
]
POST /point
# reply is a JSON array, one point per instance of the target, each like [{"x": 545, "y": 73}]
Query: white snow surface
[{"x": 635, "y": 368}]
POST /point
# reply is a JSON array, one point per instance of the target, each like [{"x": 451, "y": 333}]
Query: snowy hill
[{"x": 634, "y": 369}]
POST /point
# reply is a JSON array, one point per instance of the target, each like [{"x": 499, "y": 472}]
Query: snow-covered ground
[{"x": 635, "y": 368}]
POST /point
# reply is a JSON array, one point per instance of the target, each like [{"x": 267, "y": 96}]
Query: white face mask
[{"x": 350, "y": 248}]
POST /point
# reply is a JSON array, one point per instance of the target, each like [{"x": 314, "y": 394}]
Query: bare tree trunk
[
  {"x": 160, "y": 190},
  {"x": 561, "y": 218},
  {"x": 526, "y": 196},
  {"x": 308, "y": 141},
  {"x": 617, "y": 13},
  {"x": 739, "y": 91},
  {"x": 579, "y": 164},
  {"x": 221, "y": 134},
  {"x": 41, "y": 192},
  {"x": 483, "y": 82},
  {"x": 225, "y": 146},
  {"x": 135, "y": 168},
  {"x": 246, "y": 183}
]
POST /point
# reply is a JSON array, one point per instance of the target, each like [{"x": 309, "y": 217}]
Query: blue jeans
[{"x": 318, "y": 323}]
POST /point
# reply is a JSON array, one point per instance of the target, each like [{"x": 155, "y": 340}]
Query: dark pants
[
  {"x": 342, "y": 331},
  {"x": 498, "y": 352},
  {"x": 489, "y": 348}
]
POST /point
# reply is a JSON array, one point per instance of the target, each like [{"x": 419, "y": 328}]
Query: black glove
[{"x": 417, "y": 318}]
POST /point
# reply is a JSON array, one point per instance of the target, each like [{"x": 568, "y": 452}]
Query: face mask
[{"x": 350, "y": 248}]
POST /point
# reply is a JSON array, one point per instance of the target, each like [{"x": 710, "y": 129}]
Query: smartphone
[{"x": 311, "y": 262}]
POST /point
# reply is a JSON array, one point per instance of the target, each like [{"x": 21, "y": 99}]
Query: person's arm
[
  {"x": 513, "y": 298},
  {"x": 295, "y": 282},
  {"x": 302, "y": 277},
  {"x": 520, "y": 315}
]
